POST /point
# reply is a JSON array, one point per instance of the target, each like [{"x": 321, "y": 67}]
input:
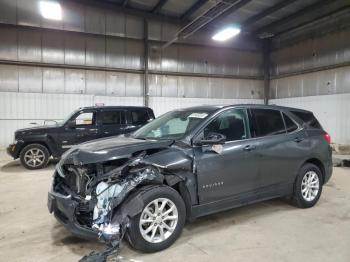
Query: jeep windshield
[{"x": 172, "y": 125}]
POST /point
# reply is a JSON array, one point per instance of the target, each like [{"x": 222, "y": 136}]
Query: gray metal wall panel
[
  {"x": 230, "y": 88},
  {"x": 342, "y": 80},
  {"x": 95, "y": 82},
  {"x": 53, "y": 47},
  {"x": 154, "y": 30},
  {"x": 29, "y": 48},
  {"x": 216, "y": 88},
  {"x": 168, "y": 31},
  {"x": 134, "y": 27},
  {"x": 199, "y": 88},
  {"x": 115, "y": 84},
  {"x": 74, "y": 81},
  {"x": 53, "y": 80},
  {"x": 8, "y": 12},
  {"x": 95, "y": 51},
  {"x": 134, "y": 85},
  {"x": 169, "y": 59},
  {"x": 28, "y": 13},
  {"x": 95, "y": 20},
  {"x": 134, "y": 54},
  {"x": 30, "y": 79},
  {"x": 8, "y": 44},
  {"x": 74, "y": 49},
  {"x": 155, "y": 85},
  {"x": 169, "y": 86},
  {"x": 185, "y": 63},
  {"x": 115, "y": 52},
  {"x": 155, "y": 58},
  {"x": 115, "y": 23},
  {"x": 74, "y": 16},
  {"x": 8, "y": 78}
]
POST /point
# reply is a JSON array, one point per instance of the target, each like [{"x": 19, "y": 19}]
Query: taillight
[{"x": 327, "y": 137}]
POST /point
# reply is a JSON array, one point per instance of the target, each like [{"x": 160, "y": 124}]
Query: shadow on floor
[{"x": 15, "y": 166}]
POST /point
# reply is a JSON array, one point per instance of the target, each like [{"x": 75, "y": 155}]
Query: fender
[{"x": 44, "y": 139}]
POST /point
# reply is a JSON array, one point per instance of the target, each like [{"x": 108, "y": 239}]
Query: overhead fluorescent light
[
  {"x": 50, "y": 10},
  {"x": 226, "y": 34}
]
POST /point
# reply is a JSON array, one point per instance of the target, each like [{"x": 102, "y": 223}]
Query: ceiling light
[
  {"x": 226, "y": 33},
  {"x": 50, "y": 10}
]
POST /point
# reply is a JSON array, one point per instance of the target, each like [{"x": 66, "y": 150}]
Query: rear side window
[
  {"x": 266, "y": 122},
  {"x": 110, "y": 117},
  {"x": 308, "y": 118},
  {"x": 290, "y": 125},
  {"x": 139, "y": 116}
]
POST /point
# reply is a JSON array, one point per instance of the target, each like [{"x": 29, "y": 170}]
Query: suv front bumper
[
  {"x": 64, "y": 208},
  {"x": 14, "y": 149}
]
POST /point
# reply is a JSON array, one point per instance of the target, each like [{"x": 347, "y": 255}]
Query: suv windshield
[{"x": 172, "y": 125}]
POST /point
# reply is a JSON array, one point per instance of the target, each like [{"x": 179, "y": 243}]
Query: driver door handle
[{"x": 249, "y": 148}]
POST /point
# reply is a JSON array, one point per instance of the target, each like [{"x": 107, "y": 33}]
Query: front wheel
[
  {"x": 161, "y": 221},
  {"x": 308, "y": 186},
  {"x": 34, "y": 156}
]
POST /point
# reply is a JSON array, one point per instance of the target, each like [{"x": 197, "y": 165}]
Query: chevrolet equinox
[{"x": 185, "y": 164}]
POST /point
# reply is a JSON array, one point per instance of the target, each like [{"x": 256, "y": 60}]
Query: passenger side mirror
[
  {"x": 213, "y": 139},
  {"x": 71, "y": 124}
]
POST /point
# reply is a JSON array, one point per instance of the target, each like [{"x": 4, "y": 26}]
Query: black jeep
[{"x": 35, "y": 145}]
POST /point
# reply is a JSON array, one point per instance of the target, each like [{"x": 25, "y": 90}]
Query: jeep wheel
[
  {"x": 161, "y": 221},
  {"x": 308, "y": 186},
  {"x": 34, "y": 156}
]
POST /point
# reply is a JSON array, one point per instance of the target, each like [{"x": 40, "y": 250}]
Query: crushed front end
[{"x": 87, "y": 198}]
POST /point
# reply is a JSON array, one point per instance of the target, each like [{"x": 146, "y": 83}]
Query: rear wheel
[
  {"x": 161, "y": 221},
  {"x": 34, "y": 156},
  {"x": 308, "y": 186}
]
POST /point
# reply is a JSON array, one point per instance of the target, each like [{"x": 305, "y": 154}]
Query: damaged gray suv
[{"x": 185, "y": 164}]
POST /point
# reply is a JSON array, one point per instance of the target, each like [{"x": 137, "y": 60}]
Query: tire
[
  {"x": 309, "y": 177},
  {"x": 145, "y": 243},
  {"x": 34, "y": 156}
]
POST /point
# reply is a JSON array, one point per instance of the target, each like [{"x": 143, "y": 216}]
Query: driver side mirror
[
  {"x": 71, "y": 124},
  {"x": 213, "y": 139}
]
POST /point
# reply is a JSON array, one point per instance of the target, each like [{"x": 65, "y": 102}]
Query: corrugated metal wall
[
  {"x": 315, "y": 75},
  {"x": 49, "y": 68}
]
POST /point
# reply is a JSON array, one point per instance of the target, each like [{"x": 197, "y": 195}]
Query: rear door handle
[
  {"x": 298, "y": 139},
  {"x": 249, "y": 148}
]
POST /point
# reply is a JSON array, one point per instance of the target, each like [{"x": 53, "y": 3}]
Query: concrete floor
[{"x": 268, "y": 231}]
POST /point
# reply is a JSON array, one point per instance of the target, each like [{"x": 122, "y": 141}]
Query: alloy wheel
[
  {"x": 34, "y": 157},
  {"x": 310, "y": 186},
  {"x": 158, "y": 220}
]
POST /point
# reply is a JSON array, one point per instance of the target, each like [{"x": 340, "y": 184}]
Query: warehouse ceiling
[{"x": 257, "y": 18}]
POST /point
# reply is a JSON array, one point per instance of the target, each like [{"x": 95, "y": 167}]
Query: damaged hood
[{"x": 112, "y": 148}]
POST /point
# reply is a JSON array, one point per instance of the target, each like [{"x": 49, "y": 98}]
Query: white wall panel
[
  {"x": 161, "y": 105},
  {"x": 20, "y": 110},
  {"x": 8, "y": 78},
  {"x": 331, "y": 110}
]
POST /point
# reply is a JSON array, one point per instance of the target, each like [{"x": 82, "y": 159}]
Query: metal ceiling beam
[
  {"x": 159, "y": 6},
  {"x": 337, "y": 12},
  {"x": 127, "y": 10},
  {"x": 309, "y": 9},
  {"x": 237, "y": 5},
  {"x": 267, "y": 12},
  {"x": 193, "y": 9}
]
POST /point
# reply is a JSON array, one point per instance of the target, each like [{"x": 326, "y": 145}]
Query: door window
[
  {"x": 110, "y": 117},
  {"x": 290, "y": 124},
  {"x": 266, "y": 122},
  {"x": 85, "y": 119},
  {"x": 230, "y": 123},
  {"x": 139, "y": 116}
]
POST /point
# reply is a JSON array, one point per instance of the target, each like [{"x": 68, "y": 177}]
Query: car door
[
  {"x": 80, "y": 128},
  {"x": 111, "y": 122},
  {"x": 279, "y": 150},
  {"x": 229, "y": 169}
]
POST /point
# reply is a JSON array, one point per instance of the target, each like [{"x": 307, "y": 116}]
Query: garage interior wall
[
  {"x": 95, "y": 55},
  {"x": 314, "y": 74}
]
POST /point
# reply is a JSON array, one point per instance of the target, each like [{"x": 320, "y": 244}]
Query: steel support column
[
  {"x": 145, "y": 79},
  {"x": 266, "y": 57}
]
